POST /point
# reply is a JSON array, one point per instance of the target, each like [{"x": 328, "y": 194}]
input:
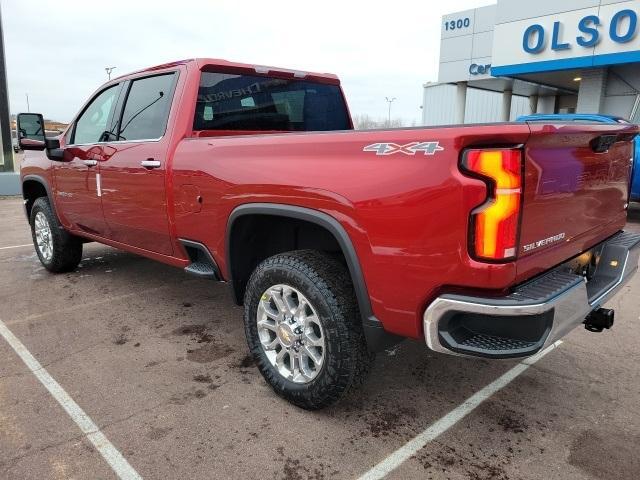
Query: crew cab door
[
  {"x": 77, "y": 178},
  {"x": 133, "y": 167}
]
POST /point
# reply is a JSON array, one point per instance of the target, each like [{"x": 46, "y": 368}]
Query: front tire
[
  {"x": 304, "y": 329},
  {"x": 57, "y": 249}
]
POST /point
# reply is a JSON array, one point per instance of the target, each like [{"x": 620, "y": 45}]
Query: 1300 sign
[{"x": 457, "y": 24}]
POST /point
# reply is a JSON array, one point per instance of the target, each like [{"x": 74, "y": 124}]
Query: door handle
[
  {"x": 150, "y": 163},
  {"x": 90, "y": 163}
]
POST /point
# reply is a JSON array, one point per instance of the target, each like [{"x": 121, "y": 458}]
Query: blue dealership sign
[
  {"x": 535, "y": 36},
  {"x": 600, "y": 35}
]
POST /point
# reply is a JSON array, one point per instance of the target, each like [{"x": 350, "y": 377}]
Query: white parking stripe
[
  {"x": 405, "y": 452},
  {"x": 17, "y": 246},
  {"x": 113, "y": 457}
]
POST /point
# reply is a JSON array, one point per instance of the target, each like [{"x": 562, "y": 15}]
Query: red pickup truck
[{"x": 487, "y": 240}]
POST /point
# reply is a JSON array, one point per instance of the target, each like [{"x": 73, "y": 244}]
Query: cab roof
[{"x": 244, "y": 68}]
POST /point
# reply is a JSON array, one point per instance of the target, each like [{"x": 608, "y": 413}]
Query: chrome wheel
[
  {"x": 290, "y": 333},
  {"x": 44, "y": 239}
]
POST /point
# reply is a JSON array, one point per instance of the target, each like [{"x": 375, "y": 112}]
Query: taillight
[{"x": 494, "y": 224}]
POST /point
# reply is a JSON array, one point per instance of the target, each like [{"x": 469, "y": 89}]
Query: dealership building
[{"x": 543, "y": 56}]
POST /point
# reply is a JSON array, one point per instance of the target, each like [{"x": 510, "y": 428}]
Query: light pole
[
  {"x": 389, "y": 101},
  {"x": 5, "y": 118},
  {"x": 109, "y": 70},
  {"x": 27, "y": 95}
]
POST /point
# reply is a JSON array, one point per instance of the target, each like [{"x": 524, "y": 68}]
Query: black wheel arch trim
[
  {"x": 377, "y": 338},
  {"x": 41, "y": 180}
]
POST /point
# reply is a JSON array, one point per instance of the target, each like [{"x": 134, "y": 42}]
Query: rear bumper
[{"x": 536, "y": 314}]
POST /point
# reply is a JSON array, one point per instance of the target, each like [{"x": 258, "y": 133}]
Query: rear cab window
[
  {"x": 146, "y": 108},
  {"x": 232, "y": 102}
]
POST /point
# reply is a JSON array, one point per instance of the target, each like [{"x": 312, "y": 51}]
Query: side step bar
[
  {"x": 202, "y": 270},
  {"x": 202, "y": 263}
]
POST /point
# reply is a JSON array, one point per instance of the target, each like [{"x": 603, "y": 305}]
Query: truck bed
[{"x": 572, "y": 198}]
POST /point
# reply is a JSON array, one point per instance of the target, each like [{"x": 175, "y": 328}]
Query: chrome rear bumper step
[{"x": 535, "y": 314}]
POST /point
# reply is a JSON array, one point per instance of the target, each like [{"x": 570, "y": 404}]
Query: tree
[{"x": 366, "y": 122}]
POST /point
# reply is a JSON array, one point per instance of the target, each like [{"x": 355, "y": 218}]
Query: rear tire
[
  {"x": 57, "y": 249},
  {"x": 302, "y": 305}
]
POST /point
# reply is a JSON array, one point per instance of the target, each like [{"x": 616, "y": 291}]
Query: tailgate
[{"x": 576, "y": 190}]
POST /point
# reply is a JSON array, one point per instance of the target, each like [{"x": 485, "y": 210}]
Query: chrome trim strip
[
  {"x": 114, "y": 141},
  {"x": 98, "y": 185}
]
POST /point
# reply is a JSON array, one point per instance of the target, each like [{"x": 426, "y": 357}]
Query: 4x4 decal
[{"x": 428, "y": 148}]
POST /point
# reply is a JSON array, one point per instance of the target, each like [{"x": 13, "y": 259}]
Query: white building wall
[
  {"x": 438, "y": 105},
  {"x": 466, "y": 38},
  {"x": 592, "y": 90},
  {"x": 622, "y": 89},
  {"x": 482, "y": 106},
  {"x": 520, "y": 106},
  {"x": 546, "y": 105}
]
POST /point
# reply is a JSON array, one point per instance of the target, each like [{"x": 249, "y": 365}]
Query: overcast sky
[{"x": 56, "y": 50}]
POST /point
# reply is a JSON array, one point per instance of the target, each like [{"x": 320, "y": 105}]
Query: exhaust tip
[{"x": 599, "y": 319}]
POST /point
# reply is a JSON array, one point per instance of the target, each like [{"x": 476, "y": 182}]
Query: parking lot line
[
  {"x": 17, "y": 246},
  {"x": 113, "y": 457},
  {"x": 414, "y": 445}
]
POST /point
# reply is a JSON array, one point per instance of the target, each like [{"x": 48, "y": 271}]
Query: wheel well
[
  {"x": 31, "y": 191},
  {"x": 253, "y": 238}
]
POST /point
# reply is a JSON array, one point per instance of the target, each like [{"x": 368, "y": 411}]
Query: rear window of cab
[{"x": 254, "y": 102}]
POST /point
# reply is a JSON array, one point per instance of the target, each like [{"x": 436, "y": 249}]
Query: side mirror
[
  {"x": 31, "y": 131},
  {"x": 31, "y": 136}
]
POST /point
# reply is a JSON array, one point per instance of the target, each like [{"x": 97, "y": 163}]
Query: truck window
[
  {"x": 147, "y": 108},
  {"x": 253, "y": 102},
  {"x": 92, "y": 124}
]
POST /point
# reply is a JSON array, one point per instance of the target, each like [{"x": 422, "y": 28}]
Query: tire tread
[
  {"x": 67, "y": 248},
  {"x": 333, "y": 282}
]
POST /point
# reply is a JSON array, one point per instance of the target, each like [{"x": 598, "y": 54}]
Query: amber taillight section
[{"x": 494, "y": 225}]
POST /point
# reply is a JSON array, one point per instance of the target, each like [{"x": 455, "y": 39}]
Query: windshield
[{"x": 247, "y": 102}]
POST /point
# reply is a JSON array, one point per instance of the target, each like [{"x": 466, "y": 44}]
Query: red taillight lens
[{"x": 494, "y": 225}]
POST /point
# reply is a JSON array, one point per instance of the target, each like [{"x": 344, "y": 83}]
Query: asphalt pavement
[{"x": 158, "y": 361}]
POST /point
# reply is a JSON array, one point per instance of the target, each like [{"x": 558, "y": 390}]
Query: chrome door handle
[
  {"x": 90, "y": 163},
  {"x": 150, "y": 163}
]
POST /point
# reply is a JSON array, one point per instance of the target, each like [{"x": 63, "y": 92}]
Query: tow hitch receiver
[{"x": 599, "y": 319}]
